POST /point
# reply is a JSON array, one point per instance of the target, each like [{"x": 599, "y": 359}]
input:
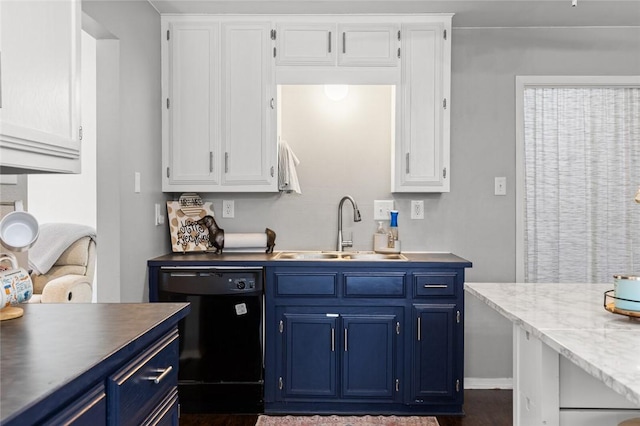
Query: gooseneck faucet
[{"x": 356, "y": 218}]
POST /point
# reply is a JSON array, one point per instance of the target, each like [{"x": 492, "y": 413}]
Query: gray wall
[
  {"x": 136, "y": 25},
  {"x": 485, "y": 63}
]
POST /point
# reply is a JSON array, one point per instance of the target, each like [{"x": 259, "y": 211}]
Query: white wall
[{"x": 72, "y": 198}]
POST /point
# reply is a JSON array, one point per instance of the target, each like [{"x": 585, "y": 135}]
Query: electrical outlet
[
  {"x": 417, "y": 209},
  {"x": 500, "y": 184},
  {"x": 381, "y": 209},
  {"x": 228, "y": 208}
]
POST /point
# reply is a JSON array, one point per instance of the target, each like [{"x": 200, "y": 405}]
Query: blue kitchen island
[{"x": 99, "y": 364}]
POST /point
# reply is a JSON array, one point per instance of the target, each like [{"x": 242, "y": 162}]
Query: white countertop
[{"x": 571, "y": 319}]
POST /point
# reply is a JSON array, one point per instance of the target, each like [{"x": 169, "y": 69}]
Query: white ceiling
[{"x": 468, "y": 13}]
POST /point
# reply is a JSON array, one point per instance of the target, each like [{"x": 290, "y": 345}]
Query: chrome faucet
[{"x": 356, "y": 218}]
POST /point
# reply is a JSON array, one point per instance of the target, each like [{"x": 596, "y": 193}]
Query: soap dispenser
[
  {"x": 393, "y": 243},
  {"x": 380, "y": 238}
]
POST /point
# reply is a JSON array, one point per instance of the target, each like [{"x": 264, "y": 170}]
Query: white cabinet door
[
  {"x": 248, "y": 109},
  {"x": 306, "y": 44},
  {"x": 40, "y": 86},
  {"x": 368, "y": 45},
  {"x": 218, "y": 117},
  {"x": 421, "y": 161},
  {"x": 191, "y": 152},
  {"x": 331, "y": 44}
]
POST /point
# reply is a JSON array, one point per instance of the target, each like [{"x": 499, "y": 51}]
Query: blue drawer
[
  {"x": 306, "y": 284},
  {"x": 434, "y": 284},
  {"x": 374, "y": 285},
  {"x": 135, "y": 390}
]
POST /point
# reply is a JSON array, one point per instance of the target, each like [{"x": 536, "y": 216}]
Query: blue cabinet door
[
  {"x": 434, "y": 358},
  {"x": 370, "y": 357},
  {"x": 310, "y": 367}
]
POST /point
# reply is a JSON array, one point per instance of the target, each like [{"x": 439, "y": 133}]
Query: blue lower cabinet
[
  {"x": 370, "y": 355},
  {"x": 338, "y": 354},
  {"x": 434, "y": 378},
  {"x": 364, "y": 340},
  {"x": 309, "y": 343}
]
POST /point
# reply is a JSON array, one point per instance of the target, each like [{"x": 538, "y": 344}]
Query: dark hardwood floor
[{"x": 482, "y": 408}]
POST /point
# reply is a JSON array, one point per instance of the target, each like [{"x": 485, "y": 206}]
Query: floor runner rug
[{"x": 346, "y": 421}]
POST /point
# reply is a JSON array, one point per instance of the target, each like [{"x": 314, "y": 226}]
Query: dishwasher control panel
[{"x": 211, "y": 280}]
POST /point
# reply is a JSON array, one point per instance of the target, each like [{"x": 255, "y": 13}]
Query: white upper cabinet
[
  {"x": 368, "y": 45},
  {"x": 421, "y": 161},
  {"x": 305, "y": 44},
  {"x": 219, "y": 75},
  {"x": 248, "y": 111},
  {"x": 191, "y": 115},
  {"x": 40, "y": 86},
  {"x": 342, "y": 44},
  {"x": 217, "y": 116}
]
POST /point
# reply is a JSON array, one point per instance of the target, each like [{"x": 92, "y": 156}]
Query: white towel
[
  {"x": 53, "y": 240},
  {"x": 287, "y": 175}
]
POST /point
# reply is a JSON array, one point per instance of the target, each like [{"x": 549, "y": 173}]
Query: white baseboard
[{"x": 488, "y": 383}]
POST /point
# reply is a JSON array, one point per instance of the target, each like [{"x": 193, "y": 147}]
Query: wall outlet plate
[
  {"x": 417, "y": 209},
  {"x": 228, "y": 208},
  {"x": 381, "y": 209}
]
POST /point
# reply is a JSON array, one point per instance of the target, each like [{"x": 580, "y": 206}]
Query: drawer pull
[
  {"x": 435, "y": 286},
  {"x": 163, "y": 373}
]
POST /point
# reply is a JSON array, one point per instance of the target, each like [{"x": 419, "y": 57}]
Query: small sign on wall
[{"x": 186, "y": 234}]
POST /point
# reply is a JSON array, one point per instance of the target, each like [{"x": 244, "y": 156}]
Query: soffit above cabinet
[{"x": 468, "y": 13}]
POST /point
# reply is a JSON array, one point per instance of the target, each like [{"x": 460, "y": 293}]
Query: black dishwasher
[{"x": 221, "y": 339}]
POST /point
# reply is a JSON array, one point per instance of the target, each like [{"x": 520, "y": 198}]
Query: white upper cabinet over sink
[
  {"x": 368, "y": 45},
  {"x": 342, "y": 44},
  {"x": 219, "y": 77},
  {"x": 40, "y": 86}
]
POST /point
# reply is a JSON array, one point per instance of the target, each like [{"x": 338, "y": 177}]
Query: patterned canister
[
  {"x": 15, "y": 284},
  {"x": 627, "y": 292}
]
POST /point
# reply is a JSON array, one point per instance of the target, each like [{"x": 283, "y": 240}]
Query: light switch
[
  {"x": 136, "y": 183},
  {"x": 500, "y": 186},
  {"x": 381, "y": 209}
]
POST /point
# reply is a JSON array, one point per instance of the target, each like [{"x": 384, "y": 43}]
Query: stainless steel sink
[
  {"x": 300, "y": 255},
  {"x": 345, "y": 255}
]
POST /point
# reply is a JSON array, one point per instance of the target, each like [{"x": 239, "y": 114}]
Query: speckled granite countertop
[
  {"x": 54, "y": 350},
  {"x": 571, "y": 319}
]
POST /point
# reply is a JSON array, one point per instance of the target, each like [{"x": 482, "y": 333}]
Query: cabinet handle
[
  {"x": 272, "y": 171},
  {"x": 407, "y": 163},
  {"x": 210, "y": 161},
  {"x": 226, "y": 162},
  {"x": 280, "y": 383},
  {"x": 272, "y": 103},
  {"x": 397, "y": 385},
  {"x": 163, "y": 373},
  {"x": 333, "y": 340},
  {"x": 346, "y": 345},
  {"x": 398, "y": 327},
  {"x": 435, "y": 286},
  {"x": 418, "y": 329},
  {"x": 344, "y": 42},
  {"x": 329, "y": 41}
]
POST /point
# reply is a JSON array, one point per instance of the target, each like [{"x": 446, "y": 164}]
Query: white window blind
[{"x": 581, "y": 172}]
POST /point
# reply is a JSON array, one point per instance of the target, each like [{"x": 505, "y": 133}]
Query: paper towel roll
[{"x": 245, "y": 240}]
